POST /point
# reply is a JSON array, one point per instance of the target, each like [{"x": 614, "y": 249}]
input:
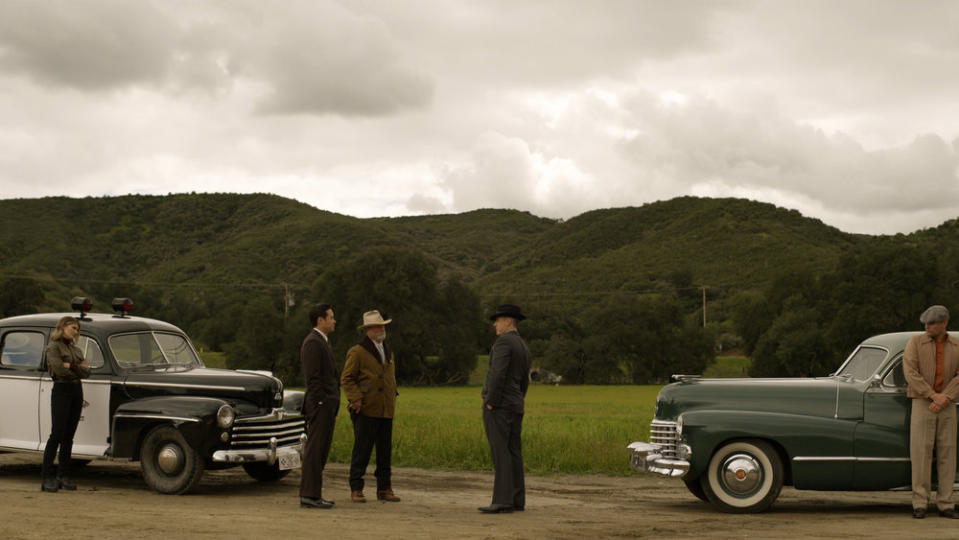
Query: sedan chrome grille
[
  {"x": 257, "y": 432},
  {"x": 663, "y": 433}
]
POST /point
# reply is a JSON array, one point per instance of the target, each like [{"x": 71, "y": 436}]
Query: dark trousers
[
  {"x": 66, "y": 404},
  {"x": 320, "y": 422},
  {"x": 503, "y": 431},
  {"x": 367, "y": 433}
]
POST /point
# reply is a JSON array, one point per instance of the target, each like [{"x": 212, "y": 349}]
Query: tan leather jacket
[{"x": 365, "y": 377}]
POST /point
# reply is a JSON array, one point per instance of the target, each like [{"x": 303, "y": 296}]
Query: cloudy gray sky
[{"x": 847, "y": 111}]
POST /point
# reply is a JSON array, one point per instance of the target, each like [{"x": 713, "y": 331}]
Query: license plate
[{"x": 289, "y": 459}]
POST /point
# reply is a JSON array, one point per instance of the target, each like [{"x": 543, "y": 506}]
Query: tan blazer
[
  {"x": 919, "y": 367},
  {"x": 364, "y": 376}
]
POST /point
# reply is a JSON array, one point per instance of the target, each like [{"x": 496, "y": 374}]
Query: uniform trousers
[
  {"x": 367, "y": 433},
  {"x": 927, "y": 430},
  {"x": 66, "y": 405},
  {"x": 503, "y": 431},
  {"x": 320, "y": 422}
]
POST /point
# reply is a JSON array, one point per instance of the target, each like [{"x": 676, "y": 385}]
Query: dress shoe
[
  {"x": 918, "y": 513},
  {"x": 66, "y": 483},
  {"x": 357, "y": 496},
  {"x": 311, "y": 502},
  {"x": 49, "y": 484},
  {"x": 496, "y": 509},
  {"x": 950, "y": 513},
  {"x": 386, "y": 495}
]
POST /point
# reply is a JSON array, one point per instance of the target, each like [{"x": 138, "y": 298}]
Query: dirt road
[{"x": 113, "y": 502}]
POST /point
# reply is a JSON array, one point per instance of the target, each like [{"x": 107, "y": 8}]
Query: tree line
[{"x": 802, "y": 323}]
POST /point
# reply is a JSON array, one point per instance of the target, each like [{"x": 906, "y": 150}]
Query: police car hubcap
[{"x": 170, "y": 459}]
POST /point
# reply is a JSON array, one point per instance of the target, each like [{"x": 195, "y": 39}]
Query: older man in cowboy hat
[
  {"x": 369, "y": 380},
  {"x": 507, "y": 380},
  {"x": 931, "y": 366}
]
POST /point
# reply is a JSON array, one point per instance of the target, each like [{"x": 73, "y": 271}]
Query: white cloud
[{"x": 843, "y": 111}]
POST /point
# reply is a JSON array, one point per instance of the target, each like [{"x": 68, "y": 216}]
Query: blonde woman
[{"x": 67, "y": 366}]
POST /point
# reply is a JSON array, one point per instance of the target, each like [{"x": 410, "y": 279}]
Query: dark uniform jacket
[
  {"x": 366, "y": 377},
  {"x": 58, "y": 352},
  {"x": 508, "y": 376},
  {"x": 319, "y": 372}
]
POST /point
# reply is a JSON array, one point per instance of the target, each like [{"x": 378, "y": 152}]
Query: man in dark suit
[
  {"x": 320, "y": 404},
  {"x": 507, "y": 380}
]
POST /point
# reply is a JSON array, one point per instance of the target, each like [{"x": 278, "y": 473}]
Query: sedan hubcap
[
  {"x": 170, "y": 459},
  {"x": 741, "y": 474}
]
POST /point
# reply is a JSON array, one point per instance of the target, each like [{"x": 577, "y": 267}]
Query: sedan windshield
[
  {"x": 152, "y": 349},
  {"x": 863, "y": 363}
]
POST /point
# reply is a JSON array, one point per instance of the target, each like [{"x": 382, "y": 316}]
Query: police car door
[
  {"x": 94, "y": 427},
  {"x": 21, "y": 359}
]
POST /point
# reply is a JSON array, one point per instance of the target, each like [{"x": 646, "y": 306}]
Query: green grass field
[{"x": 566, "y": 429}]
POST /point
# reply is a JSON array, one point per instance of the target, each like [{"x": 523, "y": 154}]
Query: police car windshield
[{"x": 153, "y": 349}]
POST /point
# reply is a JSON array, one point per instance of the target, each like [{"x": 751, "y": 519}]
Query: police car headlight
[{"x": 225, "y": 416}]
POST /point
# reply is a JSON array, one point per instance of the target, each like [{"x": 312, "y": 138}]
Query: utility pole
[{"x": 704, "y": 306}]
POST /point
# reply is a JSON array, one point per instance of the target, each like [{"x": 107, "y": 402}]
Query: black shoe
[
  {"x": 918, "y": 513},
  {"x": 66, "y": 484},
  {"x": 950, "y": 513},
  {"x": 519, "y": 508},
  {"x": 310, "y": 502},
  {"x": 49, "y": 484},
  {"x": 496, "y": 509}
]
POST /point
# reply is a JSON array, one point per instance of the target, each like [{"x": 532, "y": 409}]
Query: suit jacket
[
  {"x": 919, "y": 367},
  {"x": 319, "y": 373},
  {"x": 507, "y": 378},
  {"x": 366, "y": 377}
]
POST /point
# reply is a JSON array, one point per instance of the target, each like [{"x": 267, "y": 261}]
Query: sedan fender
[
  {"x": 816, "y": 450},
  {"x": 194, "y": 417}
]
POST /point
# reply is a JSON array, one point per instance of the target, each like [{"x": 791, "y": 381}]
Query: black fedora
[{"x": 507, "y": 310}]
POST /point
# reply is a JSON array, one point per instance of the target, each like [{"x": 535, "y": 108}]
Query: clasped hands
[{"x": 939, "y": 402}]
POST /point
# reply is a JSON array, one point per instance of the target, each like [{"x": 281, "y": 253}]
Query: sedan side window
[
  {"x": 90, "y": 351},
  {"x": 895, "y": 377},
  {"x": 22, "y": 350}
]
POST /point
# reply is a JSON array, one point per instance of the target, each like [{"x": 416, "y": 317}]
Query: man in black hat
[
  {"x": 931, "y": 366},
  {"x": 507, "y": 380}
]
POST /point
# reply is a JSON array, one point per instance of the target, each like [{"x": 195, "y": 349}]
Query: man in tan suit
[
  {"x": 369, "y": 381},
  {"x": 931, "y": 366}
]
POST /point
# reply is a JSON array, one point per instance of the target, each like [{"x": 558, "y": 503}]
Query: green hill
[{"x": 190, "y": 243}]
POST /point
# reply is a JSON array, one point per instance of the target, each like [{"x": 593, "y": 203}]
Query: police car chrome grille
[
  {"x": 256, "y": 432},
  {"x": 664, "y": 434}
]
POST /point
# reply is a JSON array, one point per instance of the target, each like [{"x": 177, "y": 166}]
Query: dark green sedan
[{"x": 737, "y": 442}]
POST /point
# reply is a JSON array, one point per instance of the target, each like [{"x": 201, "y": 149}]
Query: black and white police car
[{"x": 150, "y": 399}]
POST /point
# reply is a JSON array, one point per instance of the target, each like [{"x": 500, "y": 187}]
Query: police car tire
[
  {"x": 263, "y": 472},
  {"x": 187, "y": 468}
]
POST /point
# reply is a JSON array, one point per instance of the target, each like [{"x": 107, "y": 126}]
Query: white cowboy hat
[{"x": 373, "y": 318}]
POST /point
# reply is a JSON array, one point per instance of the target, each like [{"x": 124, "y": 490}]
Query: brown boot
[
  {"x": 357, "y": 496},
  {"x": 386, "y": 495}
]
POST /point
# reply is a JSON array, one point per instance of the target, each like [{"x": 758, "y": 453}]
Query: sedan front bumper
[
  {"x": 649, "y": 458},
  {"x": 252, "y": 455}
]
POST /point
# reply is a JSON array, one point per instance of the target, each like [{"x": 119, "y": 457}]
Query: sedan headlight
[{"x": 225, "y": 416}]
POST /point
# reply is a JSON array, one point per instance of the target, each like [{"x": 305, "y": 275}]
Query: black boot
[
  {"x": 65, "y": 483},
  {"x": 49, "y": 484}
]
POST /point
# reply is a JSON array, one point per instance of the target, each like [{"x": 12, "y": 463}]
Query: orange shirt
[{"x": 940, "y": 363}]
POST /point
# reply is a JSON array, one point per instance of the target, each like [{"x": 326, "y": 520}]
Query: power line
[{"x": 157, "y": 283}]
